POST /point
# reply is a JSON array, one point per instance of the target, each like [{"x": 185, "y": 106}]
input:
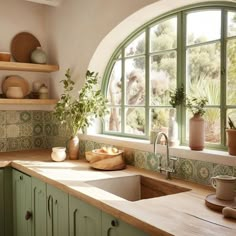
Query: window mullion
[
  {"x": 123, "y": 91},
  {"x": 147, "y": 82}
]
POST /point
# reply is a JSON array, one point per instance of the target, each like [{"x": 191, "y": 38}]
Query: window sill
[{"x": 213, "y": 156}]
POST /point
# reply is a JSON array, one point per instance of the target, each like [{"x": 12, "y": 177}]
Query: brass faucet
[{"x": 168, "y": 169}]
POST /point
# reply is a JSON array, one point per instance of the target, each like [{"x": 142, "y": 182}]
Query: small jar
[
  {"x": 58, "y": 153},
  {"x": 38, "y": 56},
  {"x": 43, "y": 92},
  {"x": 14, "y": 92}
]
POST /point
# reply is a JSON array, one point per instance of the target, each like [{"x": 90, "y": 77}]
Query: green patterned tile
[
  {"x": 38, "y": 142},
  {"x": 38, "y": 129},
  {"x": 82, "y": 144},
  {"x": 26, "y": 130},
  {"x": 48, "y": 129},
  {"x": 55, "y": 130},
  {"x": 234, "y": 170},
  {"x": 25, "y": 116},
  {"x": 13, "y": 131},
  {"x": 37, "y": 116},
  {"x": 152, "y": 161},
  {"x": 3, "y": 144},
  {"x": 26, "y": 143},
  {"x": 222, "y": 170},
  {"x": 140, "y": 159},
  {"x": 3, "y": 117},
  {"x": 47, "y": 116},
  {"x": 13, "y": 117},
  {"x": 129, "y": 156},
  {"x": 89, "y": 145},
  {"x": 185, "y": 169},
  {"x": 3, "y": 133},
  {"x": 204, "y": 172},
  {"x": 13, "y": 144}
]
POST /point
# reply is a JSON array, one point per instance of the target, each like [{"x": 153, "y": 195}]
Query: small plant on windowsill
[
  {"x": 196, "y": 123},
  {"x": 231, "y": 132},
  {"x": 77, "y": 112},
  {"x": 177, "y": 98}
]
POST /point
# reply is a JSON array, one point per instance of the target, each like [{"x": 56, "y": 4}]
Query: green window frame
[{"x": 181, "y": 77}]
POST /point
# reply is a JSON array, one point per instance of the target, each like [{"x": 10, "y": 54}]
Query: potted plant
[
  {"x": 196, "y": 123},
  {"x": 231, "y": 132},
  {"x": 77, "y": 112},
  {"x": 177, "y": 97}
]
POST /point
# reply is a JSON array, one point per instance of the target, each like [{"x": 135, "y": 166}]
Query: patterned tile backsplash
[{"x": 23, "y": 130}]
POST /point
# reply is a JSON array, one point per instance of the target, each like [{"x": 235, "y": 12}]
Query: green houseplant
[
  {"x": 231, "y": 133},
  {"x": 177, "y": 98},
  {"x": 77, "y": 112},
  {"x": 196, "y": 123}
]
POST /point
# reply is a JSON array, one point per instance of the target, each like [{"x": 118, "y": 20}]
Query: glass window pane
[
  {"x": 162, "y": 77},
  {"x": 135, "y": 81},
  {"x": 160, "y": 119},
  {"x": 203, "y": 72},
  {"x": 114, "y": 87},
  {"x": 136, "y": 47},
  {"x": 203, "y": 26},
  {"x": 163, "y": 36},
  {"x": 231, "y": 26},
  {"x": 135, "y": 121},
  {"x": 113, "y": 120},
  {"x": 231, "y": 73},
  {"x": 212, "y": 125}
]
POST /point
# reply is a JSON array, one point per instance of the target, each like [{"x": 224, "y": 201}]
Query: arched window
[{"x": 194, "y": 47}]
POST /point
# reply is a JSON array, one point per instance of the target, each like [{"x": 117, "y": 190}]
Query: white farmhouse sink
[{"x": 137, "y": 187}]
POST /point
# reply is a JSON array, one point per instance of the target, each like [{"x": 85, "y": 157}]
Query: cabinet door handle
[
  {"x": 28, "y": 215},
  {"x": 114, "y": 223},
  {"x": 74, "y": 218},
  {"x": 49, "y": 205}
]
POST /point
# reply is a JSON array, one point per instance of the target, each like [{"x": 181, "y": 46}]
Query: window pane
[
  {"x": 212, "y": 125},
  {"x": 203, "y": 26},
  {"x": 162, "y": 77},
  {"x": 231, "y": 29},
  {"x": 135, "y": 121},
  {"x": 163, "y": 36},
  {"x": 114, "y": 87},
  {"x": 231, "y": 73},
  {"x": 203, "y": 72},
  {"x": 113, "y": 120},
  {"x": 136, "y": 47},
  {"x": 160, "y": 119},
  {"x": 135, "y": 81}
]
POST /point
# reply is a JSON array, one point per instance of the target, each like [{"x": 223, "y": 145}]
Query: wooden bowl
[{"x": 5, "y": 56}]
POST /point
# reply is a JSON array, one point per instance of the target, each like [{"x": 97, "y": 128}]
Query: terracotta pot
[
  {"x": 196, "y": 133},
  {"x": 231, "y": 141},
  {"x": 73, "y": 148}
]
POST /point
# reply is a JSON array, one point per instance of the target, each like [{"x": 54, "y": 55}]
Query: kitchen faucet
[{"x": 168, "y": 169}]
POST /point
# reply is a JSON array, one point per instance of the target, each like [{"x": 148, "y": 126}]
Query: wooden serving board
[{"x": 216, "y": 204}]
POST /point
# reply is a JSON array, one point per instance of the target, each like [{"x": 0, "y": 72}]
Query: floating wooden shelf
[
  {"x": 7, "y": 101},
  {"x": 17, "y": 66}
]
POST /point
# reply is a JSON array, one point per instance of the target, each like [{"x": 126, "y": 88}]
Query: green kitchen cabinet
[
  {"x": 57, "y": 212},
  {"x": 39, "y": 208},
  {"x": 112, "y": 226},
  {"x": 84, "y": 219},
  {"x": 22, "y": 211},
  {"x": 2, "y": 222}
]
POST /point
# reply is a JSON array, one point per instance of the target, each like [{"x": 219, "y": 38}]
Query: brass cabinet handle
[
  {"x": 115, "y": 223},
  {"x": 74, "y": 218}
]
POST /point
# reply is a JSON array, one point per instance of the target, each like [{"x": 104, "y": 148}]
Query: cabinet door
[
  {"x": 2, "y": 223},
  {"x": 115, "y": 227},
  {"x": 85, "y": 220},
  {"x": 39, "y": 208},
  {"x": 22, "y": 204},
  {"x": 57, "y": 212}
]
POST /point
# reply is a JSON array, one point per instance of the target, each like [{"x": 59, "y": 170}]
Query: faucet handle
[
  {"x": 159, "y": 164},
  {"x": 173, "y": 159}
]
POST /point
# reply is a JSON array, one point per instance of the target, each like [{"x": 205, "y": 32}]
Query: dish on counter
[
  {"x": 22, "y": 45},
  {"x": 15, "y": 81}
]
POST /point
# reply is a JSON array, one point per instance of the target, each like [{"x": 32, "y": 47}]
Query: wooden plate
[
  {"x": 22, "y": 46},
  {"x": 15, "y": 81},
  {"x": 216, "y": 204}
]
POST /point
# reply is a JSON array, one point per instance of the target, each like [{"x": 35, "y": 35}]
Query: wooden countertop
[{"x": 178, "y": 214}]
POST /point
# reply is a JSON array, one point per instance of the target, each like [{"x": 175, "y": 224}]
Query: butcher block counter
[{"x": 177, "y": 214}]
